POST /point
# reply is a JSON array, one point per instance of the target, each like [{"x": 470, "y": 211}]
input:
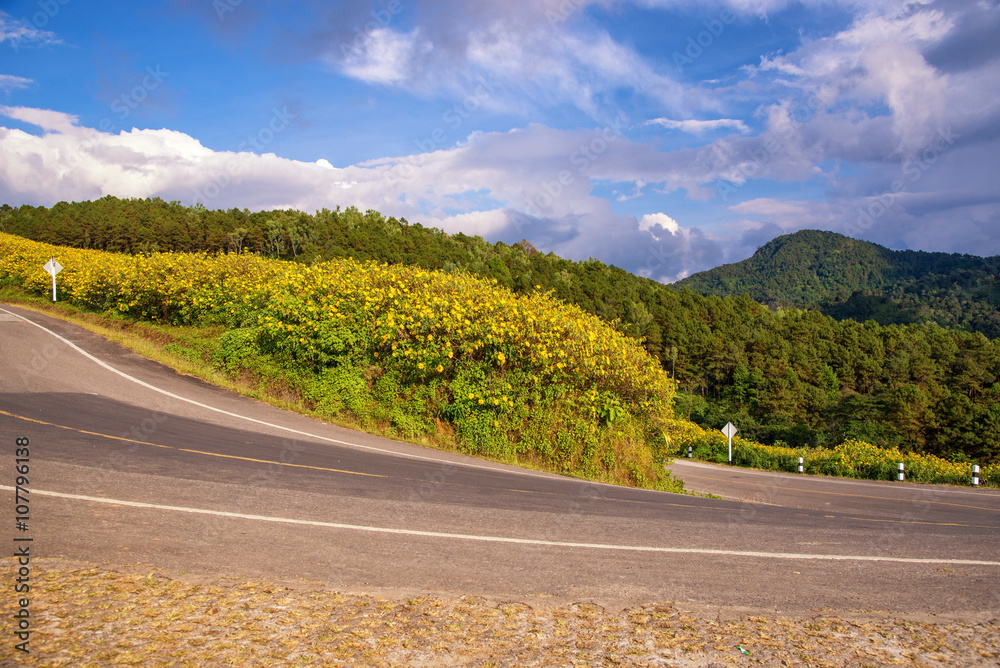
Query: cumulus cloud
[
  {"x": 878, "y": 60},
  {"x": 533, "y": 183},
  {"x": 886, "y": 132},
  {"x": 661, "y": 221},
  {"x": 843, "y": 111},
  {"x": 46, "y": 119}
]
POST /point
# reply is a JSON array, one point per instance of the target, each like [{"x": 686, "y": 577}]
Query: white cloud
[
  {"x": 486, "y": 224},
  {"x": 553, "y": 61},
  {"x": 9, "y": 82},
  {"x": 486, "y": 186},
  {"x": 387, "y": 57},
  {"x": 650, "y": 221},
  {"x": 879, "y": 59},
  {"x": 46, "y": 119},
  {"x": 16, "y": 33},
  {"x": 915, "y": 91},
  {"x": 842, "y": 116},
  {"x": 765, "y": 206},
  {"x": 700, "y": 127}
]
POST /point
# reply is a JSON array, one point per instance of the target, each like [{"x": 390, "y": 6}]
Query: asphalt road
[{"x": 132, "y": 463}]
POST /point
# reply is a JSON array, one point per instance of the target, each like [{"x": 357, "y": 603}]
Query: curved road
[{"x": 132, "y": 463}]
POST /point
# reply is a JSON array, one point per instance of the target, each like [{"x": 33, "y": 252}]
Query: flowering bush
[
  {"x": 850, "y": 459},
  {"x": 526, "y": 377}
]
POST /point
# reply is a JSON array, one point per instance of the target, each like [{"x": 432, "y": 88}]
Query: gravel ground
[{"x": 89, "y": 615}]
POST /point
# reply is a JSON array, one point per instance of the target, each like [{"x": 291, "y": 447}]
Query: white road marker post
[
  {"x": 801, "y": 467},
  {"x": 729, "y": 430},
  {"x": 975, "y": 474},
  {"x": 53, "y": 267},
  {"x": 902, "y": 475},
  {"x": 690, "y": 450}
]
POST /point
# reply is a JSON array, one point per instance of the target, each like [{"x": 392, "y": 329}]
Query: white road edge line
[
  {"x": 922, "y": 487},
  {"x": 502, "y": 539},
  {"x": 268, "y": 424}
]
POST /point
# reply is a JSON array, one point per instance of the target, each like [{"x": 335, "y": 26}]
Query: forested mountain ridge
[
  {"x": 848, "y": 278},
  {"x": 784, "y": 375}
]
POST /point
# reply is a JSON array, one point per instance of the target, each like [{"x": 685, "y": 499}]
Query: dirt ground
[{"x": 89, "y": 615}]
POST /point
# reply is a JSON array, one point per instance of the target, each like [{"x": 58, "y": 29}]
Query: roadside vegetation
[
  {"x": 450, "y": 359},
  {"x": 850, "y": 459},
  {"x": 921, "y": 374}
]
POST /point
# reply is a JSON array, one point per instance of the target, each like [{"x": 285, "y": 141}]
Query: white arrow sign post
[
  {"x": 729, "y": 430},
  {"x": 53, "y": 267}
]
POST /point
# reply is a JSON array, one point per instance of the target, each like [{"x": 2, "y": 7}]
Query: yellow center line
[
  {"x": 197, "y": 452},
  {"x": 934, "y": 524},
  {"x": 860, "y": 496},
  {"x": 82, "y": 431},
  {"x": 605, "y": 498}
]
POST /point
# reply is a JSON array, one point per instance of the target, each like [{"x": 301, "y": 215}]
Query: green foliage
[
  {"x": 238, "y": 350},
  {"x": 422, "y": 354},
  {"x": 846, "y": 278},
  {"x": 341, "y": 389},
  {"x": 850, "y": 459},
  {"x": 779, "y": 373}
]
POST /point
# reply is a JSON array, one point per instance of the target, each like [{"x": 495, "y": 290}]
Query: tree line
[{"x": 782, "y": 375}]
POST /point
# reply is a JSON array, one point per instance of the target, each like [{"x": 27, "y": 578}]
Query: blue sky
[{"x": 662, "y": 136}]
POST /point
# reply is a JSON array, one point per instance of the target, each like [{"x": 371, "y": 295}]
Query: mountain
[{"x": 847, "y": 278}]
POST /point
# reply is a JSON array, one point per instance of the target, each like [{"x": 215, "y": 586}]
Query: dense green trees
[
  {"x": 847, "y": 278},
  {"x": 789, "y": 375}
]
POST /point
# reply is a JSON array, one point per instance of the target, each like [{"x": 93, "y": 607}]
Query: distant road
[
  {"x": 940, "y": 504},
  {"x": 135, "y": 464}
]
